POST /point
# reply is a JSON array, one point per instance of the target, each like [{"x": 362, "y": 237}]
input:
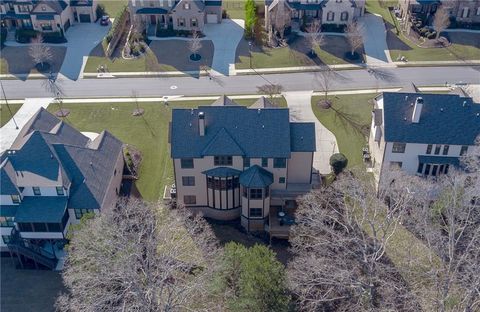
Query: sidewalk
[{"x": 9, "y": 132}]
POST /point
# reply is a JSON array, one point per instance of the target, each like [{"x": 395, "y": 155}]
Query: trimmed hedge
[
  {"x": 338, "y": 28},
  {"x": 54, "y": 37},
  {"x": 117, "y": 24},
  {"x": 25, "y": 35}
]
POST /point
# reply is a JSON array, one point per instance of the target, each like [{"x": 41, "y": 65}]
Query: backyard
[
  {"x": 112, "y": 7},
  {"x": 295, "y": 54},
  {"x": 350, "y": 125},
  {"x": 165, "y": 55},
  {"x": 156, "y": 169},
  {"x": 5, "y": 114}
]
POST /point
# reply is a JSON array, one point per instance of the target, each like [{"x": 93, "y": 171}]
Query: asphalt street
[{"x": 189, "y": 86}]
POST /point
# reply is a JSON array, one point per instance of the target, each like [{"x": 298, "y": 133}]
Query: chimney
[
  {"x": 417, "y": 110},
  {"x": 201, "y": 123}
]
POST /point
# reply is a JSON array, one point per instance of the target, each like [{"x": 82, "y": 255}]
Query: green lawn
[
  {"x": 112, "y": 7},
  {"x": 350, "y": 139},
  {"x": 3, "y": 66},
  {"x": 5, "y": 114},
  {"x": 236, "y": 8},
  {"x": 295, "y": 54},
  {"x": 148, "y": 133}
]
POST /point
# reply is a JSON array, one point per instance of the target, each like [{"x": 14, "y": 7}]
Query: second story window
[
  {"x": 6, "y": 222},
  {"x": 36, "y": 191},
  {"x": 264, "y": 162},
  {"x": 246, "y": 162},
  {"x": 15, "y": 199},
  {"x": 255, "y": 193},
  {"x": 445, "y": 149},
  {"x": 279, "y": 163},
  {"x": 60, "y": 191},
  {"x": 188, "y": 181},
  {"x": 463, "y": 150},
  {"x": 398, "y": 148},
  {"x": 222, "y": 161},
  {"x": 330, "y": 16},
  {"x": 344, "y": 16},
  {"x": 437, "y": 149},
  {"x": 186, "y": 163},
  {"x": 429, "y": 149}
]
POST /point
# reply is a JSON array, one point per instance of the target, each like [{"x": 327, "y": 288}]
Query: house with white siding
[
  {"x": 423, "y": 134},
  {"x": 50, "y": 177},
  {"x": 234, "y": 162}
]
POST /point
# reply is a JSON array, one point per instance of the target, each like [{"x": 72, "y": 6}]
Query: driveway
[
  {"x": 375, "y": 40},
  {"x": 225, "y": 38},
  {"x": 82, "y": 38},
  {"x": 8, "y": 133},
  {"x": 300, "y": 104}
]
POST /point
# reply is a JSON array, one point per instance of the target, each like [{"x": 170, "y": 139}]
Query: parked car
[{"x": 104, "y": 20}]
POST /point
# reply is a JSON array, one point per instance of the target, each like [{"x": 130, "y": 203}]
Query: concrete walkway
[
  {"x": 375, "y": 40},
  {"x": 8, "y": 133},
  {"x": 300, "y": 104}
]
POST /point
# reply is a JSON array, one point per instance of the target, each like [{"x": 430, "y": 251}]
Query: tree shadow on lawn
[{"x": 20, "y": 63}]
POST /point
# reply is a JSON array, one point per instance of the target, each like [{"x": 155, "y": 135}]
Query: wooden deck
[{"x": 276, "y": 229}]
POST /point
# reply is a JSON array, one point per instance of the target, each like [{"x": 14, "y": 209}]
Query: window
[
  {"x": 445, "y": 149},
  {"x": 236, "y": 182},
  {"x": 396, "y": 164},
  {"x": 25, "y": 227},
  {"x": 281, "y": 180},
  {"x": 39, "y": 227},
  {"x": 463, "y": 150},
  {"x": 465, "y": 12},
  {"x": 398, "y": 148},
  {"x": 15, "y": 199},
  {"x": 46, "y": 26},
  {"x": 279, "y": 163},
  {"x": 311, "y": 13},
  {"x": 255, "y": 212},
  {"x": 264, "y": 162},
  {"x": 79, "y": 213},
  {"x": 446, "y": 169},
  {"x": 427, "y": 169},
  {"x": 255, "y": 193},
  {"x": 245, "y": 192},
  {"x": 429, "y": 148},
  {"x": 189, "y": 199},
  {"x": 434, "y": 170},
  {"x": 186, "y": 6},
  {"x": 246, "y": 162},
  {"x": 6, "y": 239},
  {"x": 23, "y": 8},
  {"x": 6, "y": 221},
  {"x": 188, "y": 181},
  {"x": 330, "y": 16},
  {"x": 27, "y": 23},
  {"x": 186, "y": 163},
  {"x": 437, "y": 149},
  {"x": 36, "y": 191},
  {"x": 193, "y": 22},
  {"x": 344, "y": 16},
  {"x": 181, "y": 22},
  {"x": 54, "y": 227},
  {"x": 420, "y": 168},
  {"x": 60, "y": 191},
  {"x": 222, "y": 160}
]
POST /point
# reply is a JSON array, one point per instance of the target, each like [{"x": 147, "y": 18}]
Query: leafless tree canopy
[
  {"x": 354, "y": 36},
  {"x": 339, "y": 244},
  {"x": 39, "y": 52},
  {"x": 441, "y": 20},
  {"x": 270, "y": 89},
  {"x": 138, "y": 257},
  {"x": 313, "y": 37},
  {"x": 195, "y": 44}
]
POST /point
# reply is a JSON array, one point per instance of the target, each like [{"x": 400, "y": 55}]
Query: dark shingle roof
[
  {"x": 262, "y": 102},
  {"x": 256, "y": 177},
  {"x": 151, "y": 11},
  {"x": 224, "y": 101},
  {"x": 445, "y": 119},
  {"x": 58, "y": 6},
  {"x": 52, "y": 209},
  {"x": 301, "y": 136},
  {"x": 222, "y": 172},
  {"x": 7, "y": 178},
  {"x": 8, "y": 210},
  {"x": 213, "y": 3},
  {"x": 258, "y": 133}
]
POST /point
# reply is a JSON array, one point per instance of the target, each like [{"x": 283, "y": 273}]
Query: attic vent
[
  {"x": 259, "y": 111},
  {"x": 191, "y": 111},
  {"x": 441, "y": 109},
  {"x": 406, "y": 98},
  {"x": 263, "y": 126},
  {"x": 464, "y": 103},
  {"x": 478, "y": 114}
]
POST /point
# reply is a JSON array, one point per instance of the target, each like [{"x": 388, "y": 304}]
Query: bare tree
[
  {"x": 138, "y": 257},
  {"x": 354, "y": 36},
  {"x": 39, "y": 52},
  {"x": 272, "y": 90},
  {"x": 339, "y": 244},
  {"x": 195, "y": 44},
  {"x": 325, "y": 78},
  {"x": 313, "y": 37},
  {"x": 441, "y": 20}
]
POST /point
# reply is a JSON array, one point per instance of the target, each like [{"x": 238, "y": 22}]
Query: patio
[{"x": 281, "y": 218}]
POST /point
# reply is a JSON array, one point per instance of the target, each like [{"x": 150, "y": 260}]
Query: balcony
[{"x": 280, "y": 220}]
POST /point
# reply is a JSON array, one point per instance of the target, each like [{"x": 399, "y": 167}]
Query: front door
[{"x": 153, "y": 19}]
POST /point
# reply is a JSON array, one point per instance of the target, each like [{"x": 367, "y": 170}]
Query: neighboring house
[
  {"x": 46, "y": 16},
  {"x": 234, "y": 162},
  {"x": 178, "y": 14},
  {"x": 465, "y": 11},
  {"x": 286, "y": 12},
  {"x": 50, "y": 177},
  {"x": 423, "y": 134}
]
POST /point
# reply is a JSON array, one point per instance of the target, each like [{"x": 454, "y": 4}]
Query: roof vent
[
  {"x": 441, "y": 109},
  {"x": 191, "y": 111},
  {"x": 464, "y": 103},
  {"x": 91, "y": 164},
  {"x": 259, "y": 111},
  {"x": 263, "y": 126},
  {"x": 201, "y": 123},
  {"x": 406, "y": 98},
  {"x": 417, "y": 110},
  {"x": 478, "y": 114}
]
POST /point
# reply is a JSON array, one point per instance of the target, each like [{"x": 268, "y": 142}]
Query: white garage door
[{"x": 212, "y": 18}]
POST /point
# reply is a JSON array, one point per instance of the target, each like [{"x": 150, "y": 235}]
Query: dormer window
[
  {"x": 36, "y": 191},
  {"x": 60, "y": 191},
  {"x": 15, "y": 199}
]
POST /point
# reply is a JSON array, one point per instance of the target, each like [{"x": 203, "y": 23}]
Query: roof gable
[
  {"x": 262, "y": 102},
  {"x": 222, "y": 144},
  {"x": 224, "y": 101},
  {"x": 7, "y": 178},
  {"x": 256, "y": 177}
]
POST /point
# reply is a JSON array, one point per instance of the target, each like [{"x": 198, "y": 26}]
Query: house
[
  {"x": 464, "y": 11},
  {"x": 234, "y": 162},
  {"x": 177, "y": 14},
  {"x": 423, "y": 134},
  {"x": 46, "y": 16},
  {"x": 50, "y": 177},
  {"x": 297, "y": 12}
]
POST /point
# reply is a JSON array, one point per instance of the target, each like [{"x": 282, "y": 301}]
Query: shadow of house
[{"x": 20, "y": 63}]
